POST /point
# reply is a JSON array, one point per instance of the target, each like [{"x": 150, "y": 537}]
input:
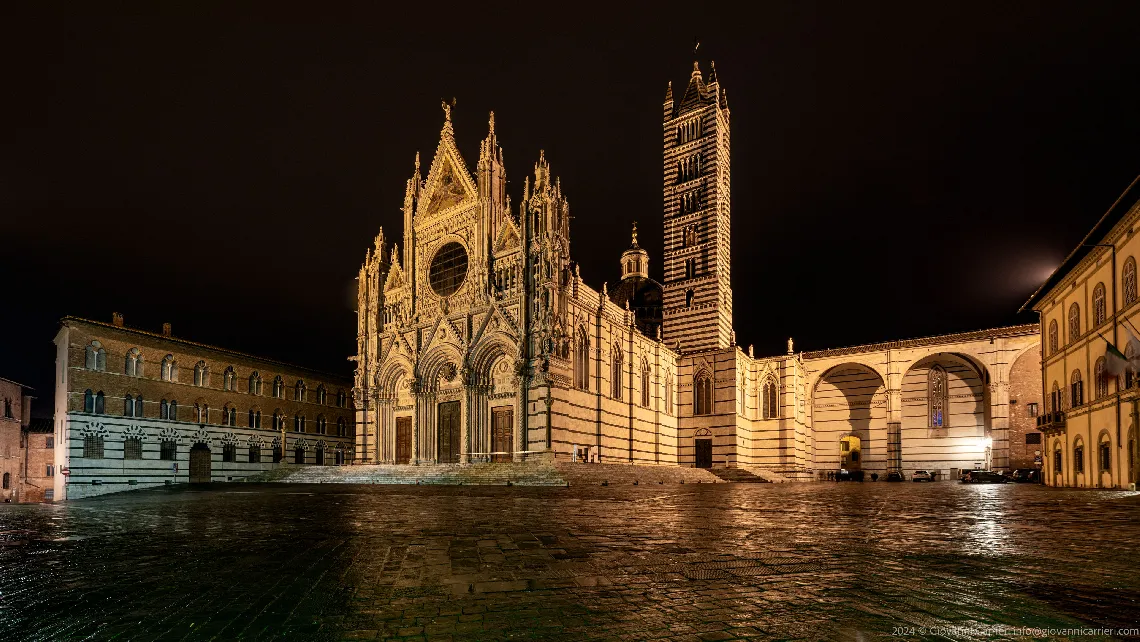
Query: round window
[{"x": 448, "y": 269}]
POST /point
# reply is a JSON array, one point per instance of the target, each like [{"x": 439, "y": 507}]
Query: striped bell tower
[{"x": 697, "y": 172}]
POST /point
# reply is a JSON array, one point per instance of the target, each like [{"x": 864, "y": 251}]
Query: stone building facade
[
  {"x": 1091, "y": 415},
  {"x": 477, "y": 339},
  {"x": 135, "y": 409},
  {"x": 15, "y": 416}
]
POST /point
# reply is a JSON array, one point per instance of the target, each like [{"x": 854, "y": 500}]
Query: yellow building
[{"x": 1091, "y": 418}]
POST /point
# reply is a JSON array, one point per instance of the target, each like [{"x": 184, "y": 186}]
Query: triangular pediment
[
  {"x": 508, "y": 236},
  {"x": 448, "y": 182},
  {"x": 395, "y": 278}
]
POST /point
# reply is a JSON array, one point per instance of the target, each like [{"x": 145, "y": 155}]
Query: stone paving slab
[{"x": 648, "y": 562}]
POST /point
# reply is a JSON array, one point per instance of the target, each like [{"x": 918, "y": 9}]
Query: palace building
[
  {"x": 136, "y": 409},
  {"x": 477, "y": 339},
  {"x": 1090, "y": 422}
]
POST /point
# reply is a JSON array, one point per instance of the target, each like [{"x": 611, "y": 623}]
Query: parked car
[
  {"x": 983, "y": 477},
  {"x": 894, "y": 476},
  {"x": 921, "y": 476},
  {"x": 1026, "y": 475}
]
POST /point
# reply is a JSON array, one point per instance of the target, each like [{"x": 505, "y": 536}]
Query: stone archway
[{"x": 849, "y": 400}]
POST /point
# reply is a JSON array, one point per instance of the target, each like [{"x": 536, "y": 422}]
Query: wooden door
[
  {"x": 704, "y": 453},
  {"x": 447, "y": 431},
  {"x": 403, "y": 440},
  {"x": 502, "y": 432},
  {"x": 200, "y": 464}
]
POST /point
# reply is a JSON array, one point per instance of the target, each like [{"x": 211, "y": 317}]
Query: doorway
[
  {"x": 200, "y": 464},
  {"x": 851, "y": 453},
  {"x": 447, "y": 431},
  {"x": 403, "y": 440},
  {"x": 704, "y": 453},
  {"x": 502, "y": 432}
]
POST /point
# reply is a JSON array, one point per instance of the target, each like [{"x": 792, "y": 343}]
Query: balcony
[{"x": 1050, "y": 422}]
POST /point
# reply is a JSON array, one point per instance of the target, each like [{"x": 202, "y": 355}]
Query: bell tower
[{"x": 697, "y": 207}]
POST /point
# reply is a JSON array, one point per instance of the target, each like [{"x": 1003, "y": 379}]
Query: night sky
[{"x": 898, "y": 170}]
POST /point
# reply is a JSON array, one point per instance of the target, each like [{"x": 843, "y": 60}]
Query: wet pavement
[{"x": 683, "y": 562}]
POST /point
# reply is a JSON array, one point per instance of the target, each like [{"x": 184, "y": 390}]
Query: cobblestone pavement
[{"x": 684, "y": 562}]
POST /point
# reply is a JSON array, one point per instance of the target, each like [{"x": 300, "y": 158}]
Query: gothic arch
[{"x": 432, "y": 365}]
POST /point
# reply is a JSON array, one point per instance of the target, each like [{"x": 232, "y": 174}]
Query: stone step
[{"x": 738, "y": 475}]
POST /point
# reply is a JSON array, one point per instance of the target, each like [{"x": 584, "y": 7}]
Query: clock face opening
[{"x": 448, "y": 269}]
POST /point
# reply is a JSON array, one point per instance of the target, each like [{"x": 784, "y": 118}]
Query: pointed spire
[
  {"x": 712, "y": 71},
  {"x": 491, "y": 124},
  {"x": 669, "y": 93},
  {"x": 417, "y": 163}
]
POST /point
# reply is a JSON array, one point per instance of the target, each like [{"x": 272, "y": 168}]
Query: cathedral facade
[{"x": 479, "y": 341}]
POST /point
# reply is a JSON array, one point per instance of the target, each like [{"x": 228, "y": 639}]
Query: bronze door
[
  {"x": 403, "y": 440},
  {"x": 447, "y": 430},
  {"x": 200, "y": 464},
  {"x": 704, "y": 453},
  {"x": 501, "y": 433}
]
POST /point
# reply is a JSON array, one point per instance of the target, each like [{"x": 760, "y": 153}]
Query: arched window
[
  {"x": 1100, "y": 308},
  {"x": 229, "y": 379},
  {"x": 251, "y": 422},
  {"x": 616, "y": 375},
  {"x": 322, "y": 394},
  {"x": 703, "y": 395},
  {"x": 173, "y": 410},
  {"x": 689, "y": 298},
  {"x": 1078, "y": 456},
  {"x": 163, "y": 410},
  {"x": 7, "y": 483},
  {"x": 255, "y": 384},
  {"x": 201, "y": 374},
  {"x": 1104, "y": 454},
  {"x": 341, "y": 427},
  {"x": 132, "y": 366},
  {"x": 139, "y": 406},
  {"x": 88, "y": 401},
  {"x": 1076, "y": 389},
  {"x": 1074, "y": 322},
  {"x": 937, "y": 396},
  {"x": 1056, "y": 399},
  {"x": 96, "y": 356},
  {"x": 257, "y": 419},
  {"x": 771, "y": 399},
  {"x": 1058, "y": 459},
  {"x": 1128, "y": 281},
  {"x": 278, "y": 387},
  {"x": 169, "y": 368},
  {"x": 299, "y": 391},
  {"x": 202, "y": 413},
  {"x": 1129, "y": 376},
  {"x": 99, "y": 399},
  {"x": 277, "y": 419},
  {"x": 341, "y": 399},
  {"x": 322, "y": 426},
  {"x": 128, "y": 406},
  {"x": 1054, "y": 341},
  {"x": 644, "y": 383},
  {"x": 1100, "y": 382},
  {"x": 582, "y": 360},
  {"x": 669, "y": 394},
  {"x": 299, "y": 423}
]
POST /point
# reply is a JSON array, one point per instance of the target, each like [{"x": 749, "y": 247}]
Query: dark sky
[{"x": 898, "y": 170}]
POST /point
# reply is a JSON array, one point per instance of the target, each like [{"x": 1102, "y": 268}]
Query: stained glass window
[{"x": 938, "y": 397}]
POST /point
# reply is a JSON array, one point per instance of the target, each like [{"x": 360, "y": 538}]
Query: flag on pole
[
  {"x": 1115, "y": 363},
  {"x": 1133, "y": 347}
]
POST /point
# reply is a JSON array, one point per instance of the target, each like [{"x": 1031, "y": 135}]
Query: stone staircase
[
  {"x": 518, "y": 474},
  {"x": 592, "y": 474},
  {"x": 738, "y": 475}
]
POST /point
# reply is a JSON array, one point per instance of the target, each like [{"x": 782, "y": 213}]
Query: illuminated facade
[
  {"x": 478, "y": 340},
  {"x": 1091, "y": 417}
]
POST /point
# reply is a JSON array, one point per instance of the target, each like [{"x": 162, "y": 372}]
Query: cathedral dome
[{"x": 643, "y": 294}]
